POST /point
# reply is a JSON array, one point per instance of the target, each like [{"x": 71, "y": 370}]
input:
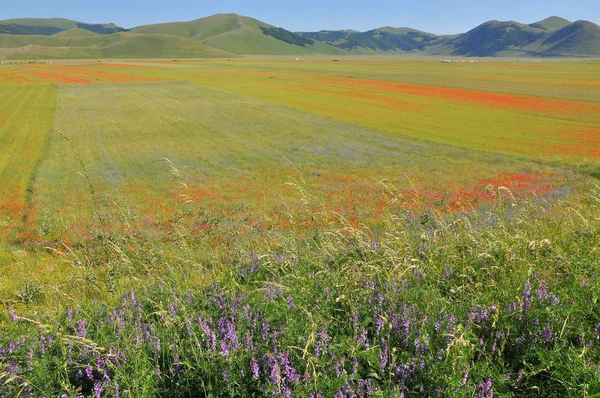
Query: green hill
[
  {"x": 51, "y": 26},
  {"x": 241, "y": 35},
  {"x": 389, "y": 39},
  {"x": 118, "y": 45},
  {"x": 77, "y": 32},
  {"x": 493, "y": 37},
  {"x": 552, "y": 23},
  {"x": 581, "y": 38}
]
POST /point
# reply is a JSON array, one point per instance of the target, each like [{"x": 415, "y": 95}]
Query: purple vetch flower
[
  {"x": 288, "y": 367},
  {"x": 117, "y": 393},
  {"x": 519, "y": 376},
  {"x": 322, "y": 343},
  {"x": 479, "y": 315},
  {"x": 485, "y": 390},
  {"x": 291, "y": 304},
  {"x": 13, "y": 316},
  {"x": 465, "y": 377},
  {"x": 190, "y": 298},
  {"x": 225, "y": 374},
  {"x": 306, "y": 377},
  {"x": 547, "y": 335},
  {"x": 527, "y": 296},
  {"x": 362, "y": 339},
  {"x": 173, "y": 309},
  {"x": 224, "y": 349},
  {"x": 98, "y": 389},
  {"x": 383, "y": 354},
  {"x": 80, "y": 328},
  {"x": 379, "y": 325},
  {"x": 255, "y": 368},
  {"x": 275, "y": 373},
  {"x": 273, "y": 292},
  {"x": 265, "y": 330},
  {"x": 30, "y": 359},
  {"x": 542, "y": 291},
  {"x": 354, "y": 366}
]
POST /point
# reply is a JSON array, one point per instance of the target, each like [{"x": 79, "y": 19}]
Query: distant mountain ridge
[
  {"x": 551, "y": 37},
  {"x": 228, "y": 35}
]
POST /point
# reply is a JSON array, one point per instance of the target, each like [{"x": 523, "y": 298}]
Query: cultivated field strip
[
  {"x": 535, "y": 127},
  {"x": 236, "y": 150},
  {"x": 26, "y": 114}
]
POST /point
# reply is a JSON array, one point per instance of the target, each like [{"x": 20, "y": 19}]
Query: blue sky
[{"x": 436, "y": 16}]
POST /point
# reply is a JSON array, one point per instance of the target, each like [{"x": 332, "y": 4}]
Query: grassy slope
[
  {"x": 50, "y": 26},
  {"x": 580, "y": 38},
  {"x": 119, "y": 45},
  {"x": 492, "y": 37},
  {"x": 234, "y": 34},
  {"x": 59, "y": 23},
  {"x": 551, "y": 23},
  {"x": 77, "y": 32}
]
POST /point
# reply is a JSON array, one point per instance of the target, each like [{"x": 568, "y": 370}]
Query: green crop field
[{"x": 311, "y": 227}]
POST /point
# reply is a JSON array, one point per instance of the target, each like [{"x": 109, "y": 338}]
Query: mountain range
[{"x": 229, "y": 35}]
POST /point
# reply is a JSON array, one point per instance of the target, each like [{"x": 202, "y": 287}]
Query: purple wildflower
[
  {"x": 13, "y": 316},
  {"x": 255, "y": 368}
]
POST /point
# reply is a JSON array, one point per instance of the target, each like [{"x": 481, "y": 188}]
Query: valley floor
[{"x": 310, "y": 227}]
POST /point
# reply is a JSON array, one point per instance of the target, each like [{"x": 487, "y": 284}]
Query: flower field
[{"x": 300, "y": 229}]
